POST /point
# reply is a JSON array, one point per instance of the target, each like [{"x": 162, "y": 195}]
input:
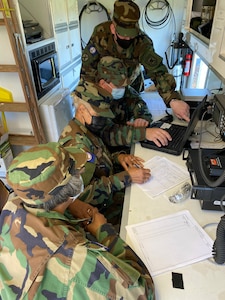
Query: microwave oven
[{"x": 45, "y": 69}]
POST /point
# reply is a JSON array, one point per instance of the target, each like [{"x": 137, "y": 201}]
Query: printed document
[
  {"x": 165, "y": 175},
  {"x": 170, "y": 242}
]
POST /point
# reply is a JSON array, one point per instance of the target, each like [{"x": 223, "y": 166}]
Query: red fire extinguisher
[{"x": 187, "y": 64}]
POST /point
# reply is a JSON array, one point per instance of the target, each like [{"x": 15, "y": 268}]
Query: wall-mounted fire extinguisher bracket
[
  {"x": 187, "y": 64},
  {"x": 180, "y": 44}
]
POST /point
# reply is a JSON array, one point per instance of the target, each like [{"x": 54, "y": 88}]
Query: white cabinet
[
  {"x": 72, "y": 8},
  {"x": 68, "y": 45},
  {"x": 70, "y": 77},
  {"x": 63, "y": 47},
  {"x": 59, "y": 13},
  {"x": 67, "y": 34}
]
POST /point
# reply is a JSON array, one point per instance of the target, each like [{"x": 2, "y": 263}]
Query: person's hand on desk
[
  {"x": 138, "y": 123},
  {"x": 134, "y": 166},
  {"x": 127, "y": 161},
  {"x": 158, "y": 135},
  {"x": 139, "y": 175},
  {"x": 181, "y": 109}
]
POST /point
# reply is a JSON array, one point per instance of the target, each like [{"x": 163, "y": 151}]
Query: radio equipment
[{"x": 218, "y": 113}]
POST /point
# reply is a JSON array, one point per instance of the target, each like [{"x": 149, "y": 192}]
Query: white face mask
[{"x": 118, "y": 93}]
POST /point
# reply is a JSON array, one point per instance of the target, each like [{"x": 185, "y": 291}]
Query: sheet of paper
[
  {"x": 155, "y": 104},
  {"x": 164, "y": 176},
  {"x": 170, "y": 242}
]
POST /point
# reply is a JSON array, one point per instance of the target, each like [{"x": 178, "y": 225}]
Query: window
[{"x": 199, "y": 71}]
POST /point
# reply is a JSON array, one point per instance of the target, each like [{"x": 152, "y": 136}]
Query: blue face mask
[{"x": 118, "y": 93}]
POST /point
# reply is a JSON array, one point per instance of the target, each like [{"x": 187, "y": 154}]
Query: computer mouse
[{"x": 167, "y": 119}]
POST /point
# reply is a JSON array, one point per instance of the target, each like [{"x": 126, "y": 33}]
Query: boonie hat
[
  {"x": 40, "y": 172},
  {"x": 126, "y": 15},
  {"x": 97, "y": 97},
  {"x": 113, "y": 70}
]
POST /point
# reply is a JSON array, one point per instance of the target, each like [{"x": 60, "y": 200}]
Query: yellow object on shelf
[{"x": 5, "y": 96}]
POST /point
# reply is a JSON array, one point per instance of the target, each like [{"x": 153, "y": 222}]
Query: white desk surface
[{"x": 202, "y": 281}]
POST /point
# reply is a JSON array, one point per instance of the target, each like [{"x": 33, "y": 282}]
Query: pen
[{"x": 137, "y": 166}]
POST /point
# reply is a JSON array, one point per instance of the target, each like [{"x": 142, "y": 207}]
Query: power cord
[
  {"x": 154, "y": 5},
  {"x": 216, "y": 89}
]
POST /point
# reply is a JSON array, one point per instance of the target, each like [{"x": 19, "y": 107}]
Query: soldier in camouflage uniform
[
  {"x": 126, "y": 104},
  {"x": 106, "y": 175},
  {"x": 123, "y": 39},
  {"x": 125, "y": 133},
  {"x": 44, "y": 254}
]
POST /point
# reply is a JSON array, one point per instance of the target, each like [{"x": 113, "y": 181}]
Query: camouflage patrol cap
[
  {"x": 41, "y": 171},
  {"x": 112, "y": 69},
  {"x": 97, "y": 97},
  {"x": 126, "y": 16}
]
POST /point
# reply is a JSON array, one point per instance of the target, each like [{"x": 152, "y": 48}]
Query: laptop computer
[{"x": 180, "y": 134}]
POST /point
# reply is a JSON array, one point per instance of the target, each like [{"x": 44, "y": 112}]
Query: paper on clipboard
[
  {"x": 170, "y": 242},
  {"x": 165, "y": 175}
]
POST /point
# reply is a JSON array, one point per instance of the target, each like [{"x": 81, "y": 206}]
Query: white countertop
[{"x": 203, "y": 280}]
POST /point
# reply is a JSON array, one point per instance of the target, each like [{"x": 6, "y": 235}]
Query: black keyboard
[{"x": 177, "y": 133}]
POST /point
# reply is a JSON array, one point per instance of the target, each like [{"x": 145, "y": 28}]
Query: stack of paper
[{"x": 170, "y": 242}]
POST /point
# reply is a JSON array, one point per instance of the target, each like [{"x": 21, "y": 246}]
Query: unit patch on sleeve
[
  {"x": 92, "y": 50},
  {"x": 90, "y": 157}
]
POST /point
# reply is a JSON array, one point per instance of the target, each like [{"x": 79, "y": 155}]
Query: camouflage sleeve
[
  {"x": 91, "y": 57},
  {"x": 137, "y": 105},
  {"x": 121, "y": 135},
  {"x": 107, "y": 236},
  {"x": 156, "y": 70},
  {"x": 100, "y": 190},
  {"x": 115, "y": 156}
]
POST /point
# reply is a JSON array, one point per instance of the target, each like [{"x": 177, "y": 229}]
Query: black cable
[
  {"x": 216, "y": 89},
  {"x": 170, "y": 65},
  {"x": 161, "y": 23},
  {"x": 219, "y": 244},
  {"x": 89, "y": 8}
]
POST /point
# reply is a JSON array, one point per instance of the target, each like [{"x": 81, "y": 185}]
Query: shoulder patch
[
  {"x": 84, "y": 57},
  {"x": 92, "y": 50},
  {"x": 90, "y": 157}
]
